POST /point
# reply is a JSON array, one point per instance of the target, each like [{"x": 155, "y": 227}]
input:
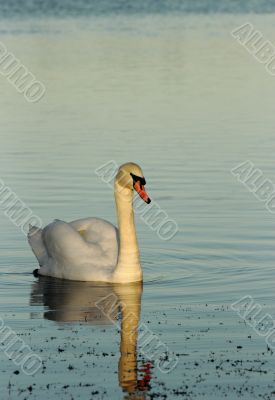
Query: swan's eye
[{"x": 138, "y": 179}]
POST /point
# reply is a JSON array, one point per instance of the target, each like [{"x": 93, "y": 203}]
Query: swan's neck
[{"x": 128, "y": 268}]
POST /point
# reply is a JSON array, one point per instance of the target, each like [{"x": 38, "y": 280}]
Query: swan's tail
[{"x": 35, "y": 240}]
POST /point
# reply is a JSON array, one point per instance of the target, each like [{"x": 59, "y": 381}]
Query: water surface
[{"x": 175, "y": 93}]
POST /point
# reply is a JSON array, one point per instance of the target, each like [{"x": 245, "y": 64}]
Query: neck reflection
[{"x": 100, "y": 304}]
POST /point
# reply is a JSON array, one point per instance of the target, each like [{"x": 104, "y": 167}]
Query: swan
[{"x": 92, "y": 249}]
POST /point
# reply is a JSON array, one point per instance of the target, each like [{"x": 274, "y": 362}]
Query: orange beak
[{"x": 142, "y": 192}]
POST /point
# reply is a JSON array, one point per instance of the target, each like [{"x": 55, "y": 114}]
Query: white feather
[{"x": 92, "y": 249}]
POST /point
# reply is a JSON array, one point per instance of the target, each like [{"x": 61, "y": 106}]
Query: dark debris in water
[{"x": 217, "y": 359}]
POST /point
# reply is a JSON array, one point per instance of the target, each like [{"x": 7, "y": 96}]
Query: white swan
[{"x": 93, "y": 249}]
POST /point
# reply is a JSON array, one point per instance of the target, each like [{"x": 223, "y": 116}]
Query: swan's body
[{"x": 93, "y": 249}]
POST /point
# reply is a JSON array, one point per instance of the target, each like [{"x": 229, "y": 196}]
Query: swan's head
[{"x": 130, "y": 176}]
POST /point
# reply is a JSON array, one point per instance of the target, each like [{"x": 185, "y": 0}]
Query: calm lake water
[{"x": 176, "y": 93}]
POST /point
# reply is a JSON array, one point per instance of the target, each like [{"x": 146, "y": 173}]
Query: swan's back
[
  {"x": 85, "y": 249},
  {"x": 100, "y": 232}
]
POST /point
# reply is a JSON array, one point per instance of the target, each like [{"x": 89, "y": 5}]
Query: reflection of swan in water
[{"x": 73, "y": 301}]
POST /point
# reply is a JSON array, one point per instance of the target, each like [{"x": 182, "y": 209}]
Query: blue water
[
  {"x": 176, "y": 93},
  {"x": 63, "y": 8}
]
